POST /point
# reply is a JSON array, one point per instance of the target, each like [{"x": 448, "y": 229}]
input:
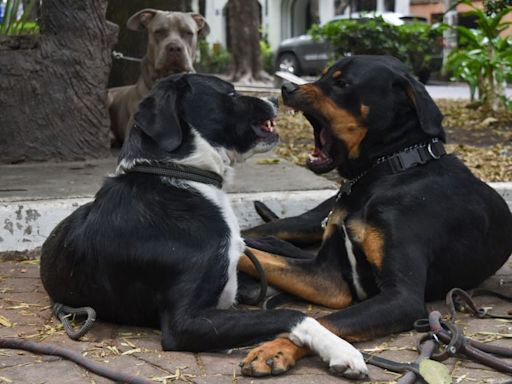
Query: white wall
[
  {"x": 273, "y": 23},
  {"x": 215, "y": 19},
  {"x": 326, "y": 10},
  {"x": 402, "y": 6}
]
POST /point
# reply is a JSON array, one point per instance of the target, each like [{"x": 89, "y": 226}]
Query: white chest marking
[
  {"x": 361, "y": 294},
  {"x": 235, "y": 246}
]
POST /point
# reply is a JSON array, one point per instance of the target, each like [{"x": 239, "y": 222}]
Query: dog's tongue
[{"x": 318, "y": 157}]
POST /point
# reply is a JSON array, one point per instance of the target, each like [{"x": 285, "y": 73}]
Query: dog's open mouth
[
  {"x": 267, "y": 136},
  {"x": 319, "y": 160},
  {"x": 268, "y": 125}
]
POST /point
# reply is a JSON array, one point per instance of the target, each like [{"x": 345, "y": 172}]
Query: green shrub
[
  {"x": 484, "y": 58},
  {"x": 11, "y": 25},
  {"x": 213, "y": 58},
  {"x": 416, "y": 44},
  {"x": 267, "y": 57}
]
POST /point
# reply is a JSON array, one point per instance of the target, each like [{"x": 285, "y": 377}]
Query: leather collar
[
  {"x": 409, "y": 157},
  {"x": 178, "y": 171}
]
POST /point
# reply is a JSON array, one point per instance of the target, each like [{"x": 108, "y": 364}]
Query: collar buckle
[{"x": 417, "y": 155}]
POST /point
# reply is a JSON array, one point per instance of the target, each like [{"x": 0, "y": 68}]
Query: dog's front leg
[
  {"x": 391, "y": 311},
  {"x": 215, "y": 329}
]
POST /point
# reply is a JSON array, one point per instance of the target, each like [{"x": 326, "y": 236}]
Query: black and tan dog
[
  {"x": 411, "y": 223},
  {"x": 160, "y": 244}
]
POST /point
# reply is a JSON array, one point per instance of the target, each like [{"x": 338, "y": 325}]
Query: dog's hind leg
[
  {"x": 215, "y": 329},
  {"x": 309, "y": 279},
  {"x": 305, "y": 229}
]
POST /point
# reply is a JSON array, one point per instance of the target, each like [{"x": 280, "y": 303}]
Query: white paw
[
  {"x": 342, "y": 357},
  {"x": 348, "y": 363}
]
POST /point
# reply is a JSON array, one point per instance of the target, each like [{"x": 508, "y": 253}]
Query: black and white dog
[{"x": 158, "y": 249}]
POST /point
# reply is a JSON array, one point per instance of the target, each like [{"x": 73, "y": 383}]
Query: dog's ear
[
  {"x": 429, "y": 115},
  {"x": 203, "y": 29},
  {"x": 158, "y": 116},
  {"x": 140, "y": 20}
]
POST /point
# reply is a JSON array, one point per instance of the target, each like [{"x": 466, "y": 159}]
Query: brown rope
[{"x": 76, "y": 357}]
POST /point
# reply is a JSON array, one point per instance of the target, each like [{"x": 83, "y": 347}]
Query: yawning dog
[
  {"x": 411, "y": 222},
  {"x": 159, "y": 245}
]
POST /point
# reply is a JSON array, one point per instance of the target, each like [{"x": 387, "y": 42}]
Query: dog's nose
[
  {"x": 289, "y": 87},
  {"x": 174, "y": 48}
]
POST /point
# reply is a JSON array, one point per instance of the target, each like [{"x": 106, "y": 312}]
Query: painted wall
[{"x": 428, "y": 9}]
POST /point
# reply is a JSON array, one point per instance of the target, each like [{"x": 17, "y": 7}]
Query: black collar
[
  {"x": 400, "y": 161},
  {"x": 178, "y": 171}
]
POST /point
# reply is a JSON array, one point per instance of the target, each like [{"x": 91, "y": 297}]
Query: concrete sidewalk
[{"x": 35, "y": 197}]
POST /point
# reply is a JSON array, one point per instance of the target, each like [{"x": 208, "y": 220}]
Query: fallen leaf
[
  {"x": 5, "y": 322},
  {"x": 131, "y": 351}
]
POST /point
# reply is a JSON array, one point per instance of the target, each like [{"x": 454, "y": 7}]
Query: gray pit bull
[{"x": 172, "y": 40}]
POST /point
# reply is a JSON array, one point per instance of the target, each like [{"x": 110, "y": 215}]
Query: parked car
[{"x": 302, "y": 55}]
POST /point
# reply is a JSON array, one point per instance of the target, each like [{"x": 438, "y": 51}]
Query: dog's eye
[
  {"x": 340, "y": 83},
  {"x": 233, "y": 94},
  {"x": 160, "y": 33}
]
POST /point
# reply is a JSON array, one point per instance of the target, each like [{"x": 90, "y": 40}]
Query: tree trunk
[
  {"x": 244, "y": 23},
  {"x": 131, "y": 43},
  {"x": 53, "y": 86}
]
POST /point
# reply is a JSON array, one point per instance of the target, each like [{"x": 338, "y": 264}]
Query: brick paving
[{"x": 25, "y": 312}]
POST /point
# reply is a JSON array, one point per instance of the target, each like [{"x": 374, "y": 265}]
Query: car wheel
[{"x": 287, "y": 62}]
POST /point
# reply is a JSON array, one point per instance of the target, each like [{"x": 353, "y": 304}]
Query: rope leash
[
  {"x": 76, "y": 357},
  {"x": 262, "y": 276},
  {"x": 63, "y": 313},
  {"x": 120, "y": 56}
]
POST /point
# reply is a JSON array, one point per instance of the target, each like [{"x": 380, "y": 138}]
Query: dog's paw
[
  {"x": 349, "y": 365},
  {"x": 272, "y": 358},
  {"x": 342, "y": 357}
]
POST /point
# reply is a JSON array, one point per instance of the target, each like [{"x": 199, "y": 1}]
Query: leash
[
  {"x": 76, "y": 357},
  {"x": 448, "y": 333},
  {"x": 120, "y": 56},
  {"x": 63, "y": 313},
  {"x": 261, "y": 274},
  {"x": 178, "y": 171}
]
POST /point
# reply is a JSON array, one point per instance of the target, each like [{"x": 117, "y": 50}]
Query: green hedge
[
  {"x": 217, "y": 59},
  {"x": 416, "y": 44}
]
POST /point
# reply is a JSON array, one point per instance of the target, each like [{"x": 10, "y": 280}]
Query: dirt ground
[
  {"x": 25, "y": 312},
  {"x": 483, "y": 140}
]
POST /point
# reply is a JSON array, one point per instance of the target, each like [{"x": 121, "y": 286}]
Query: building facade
[
  {"x": 281, "y": 19},
  {"x": 433, "y": 11}
]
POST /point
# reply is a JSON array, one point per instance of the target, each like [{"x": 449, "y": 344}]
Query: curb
[{"x": 25, "y": 224}]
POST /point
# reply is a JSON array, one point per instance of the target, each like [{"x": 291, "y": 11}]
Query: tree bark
[
  {"x": 132, "y": 43},
  {"x": 244, "y": 23},
  {"x": 53, "y": 86}
]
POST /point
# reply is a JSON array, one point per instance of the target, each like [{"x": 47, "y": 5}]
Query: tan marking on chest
[
  {"x": 371, "y": 240},
  {"x": 334, "y": 222}
]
